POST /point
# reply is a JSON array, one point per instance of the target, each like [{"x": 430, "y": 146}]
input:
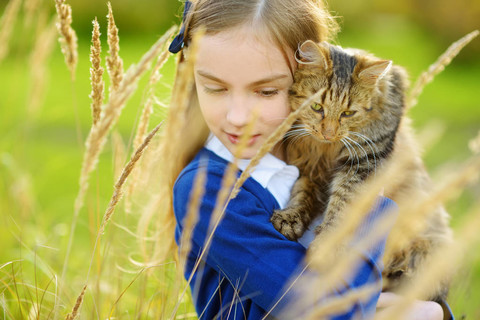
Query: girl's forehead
[{"x": 244, "y": 46}]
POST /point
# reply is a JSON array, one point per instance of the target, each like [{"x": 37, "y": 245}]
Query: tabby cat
[{"x": 356, "y": 125}]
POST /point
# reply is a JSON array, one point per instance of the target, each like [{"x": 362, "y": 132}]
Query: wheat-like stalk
[
  {"x": 119, "y": 153},
  {"x": 333, "y": 257},
  {"x": 98, "y": 133},
  {"x": 439, "y": 266},
  {"x": 38, "y": 61},
  {"x": 114, "y": 62},
  {"x": 148, "y": 107},
  {"x": 145, "y": 117},
  {"x": 75, "y": 311},
  {"x": 96, "y": 73},
  {"x": 30, "y": 7},
  {"x": 117, "y": 194},
  {"x": 439, "y": 65},
  {"x": 68, "y": 38},
  {"x": 191, "y": 218},
  {"x": 273, "y": 139},
  {"x": 7, "y": 23},
  {"x": 223, "y": 198},
  {"x": 414, "y": 211},
  {"x": 474, "y": 144}
]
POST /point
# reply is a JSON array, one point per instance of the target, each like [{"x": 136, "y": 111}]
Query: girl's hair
[{"x": 287, "y": 22}]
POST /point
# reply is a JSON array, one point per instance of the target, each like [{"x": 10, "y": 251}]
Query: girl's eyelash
[
  {"x": 213, "y": 91},
  {"x": 268, "y": 93}
]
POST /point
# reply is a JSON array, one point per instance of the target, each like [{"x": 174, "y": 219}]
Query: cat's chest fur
[{"x": 318, "y": 167}]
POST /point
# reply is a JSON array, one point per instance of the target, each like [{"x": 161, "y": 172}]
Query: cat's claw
[{"x": 288, "y": 223}]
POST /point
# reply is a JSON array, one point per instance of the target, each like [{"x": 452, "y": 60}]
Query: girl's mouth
[{"x": 235, "y": 139}]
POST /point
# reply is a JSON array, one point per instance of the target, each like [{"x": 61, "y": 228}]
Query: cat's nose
[{"x": 328, "y": 136}]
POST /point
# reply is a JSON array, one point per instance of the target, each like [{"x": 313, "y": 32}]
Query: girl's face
[{"x": 236, "y": 73}]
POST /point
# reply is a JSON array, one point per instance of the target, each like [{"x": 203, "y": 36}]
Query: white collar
[{"x": 272, "y": 173}]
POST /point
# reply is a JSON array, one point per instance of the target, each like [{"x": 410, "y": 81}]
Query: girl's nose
[{"x": 238, "y": 113}]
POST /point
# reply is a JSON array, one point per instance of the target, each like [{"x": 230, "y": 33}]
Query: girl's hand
[{"x": 424, "y": 310}]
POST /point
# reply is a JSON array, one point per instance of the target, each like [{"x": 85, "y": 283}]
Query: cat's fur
[{"x": 341, "y": 140}]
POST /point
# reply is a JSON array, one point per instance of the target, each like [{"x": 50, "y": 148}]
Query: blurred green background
[{"x": 41, "y": 149}]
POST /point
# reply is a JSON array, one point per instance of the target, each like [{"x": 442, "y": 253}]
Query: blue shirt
[{"x": 249, "y": 263}]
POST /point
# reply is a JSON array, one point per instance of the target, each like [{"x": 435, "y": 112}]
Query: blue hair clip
[{"x": 178, "y": 41}]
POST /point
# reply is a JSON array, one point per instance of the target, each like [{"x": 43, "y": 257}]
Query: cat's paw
[{"x": 288, "y": 223}]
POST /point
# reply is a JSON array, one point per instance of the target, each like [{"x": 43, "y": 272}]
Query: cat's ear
[
  {"x": 373, "y": 71},
  {"x": 310, "y": 52}
]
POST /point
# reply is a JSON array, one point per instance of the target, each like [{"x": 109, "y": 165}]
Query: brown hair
[{"x": 287, "y": 22}]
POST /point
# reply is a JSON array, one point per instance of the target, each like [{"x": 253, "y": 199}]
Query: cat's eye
[
  {"x": 316, "y": 107},
  {"x": 347, "y": 114}
]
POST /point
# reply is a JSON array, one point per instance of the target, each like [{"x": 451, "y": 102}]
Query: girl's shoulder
[{"x": 215, "y": 168}]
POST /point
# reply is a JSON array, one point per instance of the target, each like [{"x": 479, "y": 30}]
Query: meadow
[{"x": 46, "y": 118}]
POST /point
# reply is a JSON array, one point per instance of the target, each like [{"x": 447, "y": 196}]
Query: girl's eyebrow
[{"x": 256, "y": 83}]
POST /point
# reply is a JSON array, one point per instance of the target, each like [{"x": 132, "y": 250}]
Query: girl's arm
[{"x": 248, "y": 249}]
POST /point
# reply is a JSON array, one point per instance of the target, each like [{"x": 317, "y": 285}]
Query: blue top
[{"x": 249, "y": 263}]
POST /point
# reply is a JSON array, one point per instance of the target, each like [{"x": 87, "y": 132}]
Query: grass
[{"x": 40, "y": 162}]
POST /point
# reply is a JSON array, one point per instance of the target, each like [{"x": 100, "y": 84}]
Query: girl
[{"x": 246, "y": 61}]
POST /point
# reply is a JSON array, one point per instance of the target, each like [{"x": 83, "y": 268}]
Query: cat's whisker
[
  {"x": 300, "y": 136},
  {"x": 294, "y": 132},
  {"x": 366, "y": 139},
  {"x": 350, "y": 147},
  {"x": 347, "y": 146},
  {"x": 370, "y": 143},
  {"x": 361, "y": 148}
]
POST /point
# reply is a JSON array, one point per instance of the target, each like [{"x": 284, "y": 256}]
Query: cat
[{"x": 354, "y": 128}]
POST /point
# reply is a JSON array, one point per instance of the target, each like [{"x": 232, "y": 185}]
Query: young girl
[{"x": 245, "y": 61}]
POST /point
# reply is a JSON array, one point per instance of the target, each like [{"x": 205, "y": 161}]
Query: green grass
[{"x": 40, "y": 164}]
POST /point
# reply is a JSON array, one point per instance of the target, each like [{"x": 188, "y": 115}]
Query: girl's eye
[
  {"x": 347, "y": 114},
  {"x": 268, "y": 93},
  {"x": 213, "y": 90},
  {"x": 317, "y": 108}
]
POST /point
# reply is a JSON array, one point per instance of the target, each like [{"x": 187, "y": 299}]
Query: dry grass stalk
[
  {"x": 180, "y": 99},
  {"x": 189, "y": 224},
  {"x": 442, "y": 264},
  {"x": 117, "y": 194},
  {"x": 342, "y": 303},
  {"x": 148, "y": 108},
  {"x": 98, "y": 133},
  {"x": 119, "y": 153},
  {"x": 445, "y": 59},
  {"x": 167, "y": 151},
  {"x": 474, "y": 144},
  {"x": 223, "y": 198},
  {"x": 7, "y": 22},
  {"x": 38, "y": 61},
  {"x": 68, "y": 38},
  {"x": 191, "y": 218},
  {"x": 114, "y": 62},
  {"x": 414, "y": 211},
  {"x": 96, "y": 73},
  {"x": 109, "y": 116},
  {"x": 78, "y": 304},
  {"x": 333, "y": 256},
  {"x": 145, "y": 118},
  {"x": 275, "y": 137},
  {"x": 31, "y": 8}
]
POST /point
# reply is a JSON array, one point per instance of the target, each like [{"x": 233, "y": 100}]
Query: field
[{"x": 46, "y": 117}]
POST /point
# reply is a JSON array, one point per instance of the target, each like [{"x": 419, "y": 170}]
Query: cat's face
[{"x": 347, "y": 84}]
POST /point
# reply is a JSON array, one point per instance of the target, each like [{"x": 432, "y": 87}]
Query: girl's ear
[
  {"x": 372, "y": 71},
  {"x": 310, "y": 52}
]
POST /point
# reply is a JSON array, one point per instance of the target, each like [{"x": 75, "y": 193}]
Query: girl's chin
[{"x": 247, "y": 153}]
